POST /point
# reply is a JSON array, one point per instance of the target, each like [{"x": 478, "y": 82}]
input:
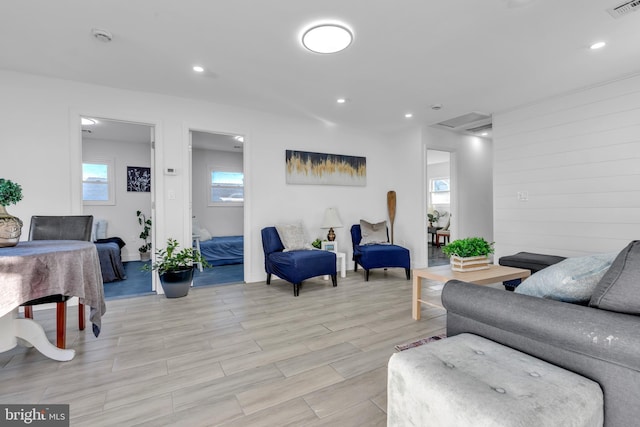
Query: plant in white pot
[
  {"x": 175, "y": 267},
  {"x": 10, "y": 226},
  {"x": 145, "y": 234},
  {"x": 469, "y": 254}
]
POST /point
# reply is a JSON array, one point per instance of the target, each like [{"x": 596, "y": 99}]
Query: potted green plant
[
  {"x": 10, "y": 226},
  {"x": 469, "y": 254},
  {"x": 175, "y": 267},
  {"x": 433, "y": 217},
  {"x": 145, "y": 250}
]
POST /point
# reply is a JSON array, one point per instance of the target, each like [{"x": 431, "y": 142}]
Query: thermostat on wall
[{"x": 170, "y": 171}]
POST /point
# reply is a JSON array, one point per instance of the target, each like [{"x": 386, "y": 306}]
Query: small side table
[{"x": 342, "y": 258}]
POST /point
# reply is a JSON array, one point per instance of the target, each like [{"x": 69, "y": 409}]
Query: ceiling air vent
[
  {"x": 482, "y": 128},
  {"x": 624, "y": 9},
  {"x": 465, "y": 120}
]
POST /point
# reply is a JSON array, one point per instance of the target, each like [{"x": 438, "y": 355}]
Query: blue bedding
[
  {"x": 110, "y": 261},
  {"x": 223, "y": 250}
]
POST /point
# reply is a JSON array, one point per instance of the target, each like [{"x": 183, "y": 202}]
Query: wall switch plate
[{"x": 523, "y": 196}]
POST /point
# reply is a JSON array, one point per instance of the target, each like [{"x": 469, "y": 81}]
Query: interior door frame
[
  {"x": 157, "y": 187},
  {"x": 189, "y": 128}
]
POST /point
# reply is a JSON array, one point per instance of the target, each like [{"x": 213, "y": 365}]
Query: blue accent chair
[
  {"x": 295, "y": 266},
  {"x": 377, "y": 255}
]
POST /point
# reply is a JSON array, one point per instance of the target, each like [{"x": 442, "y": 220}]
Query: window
[
  {"x": 226, "y": 188},
  {"x": 97, "y": 183},
  {"x": 439, "y": 191}
]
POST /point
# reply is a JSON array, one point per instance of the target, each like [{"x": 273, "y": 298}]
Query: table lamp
[{"x": 331, "y": 221}]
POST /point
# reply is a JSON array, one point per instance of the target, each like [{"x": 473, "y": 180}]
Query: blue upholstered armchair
[
  {"x": 378, "y": 255},
  {"x": 295, "y": 266}
]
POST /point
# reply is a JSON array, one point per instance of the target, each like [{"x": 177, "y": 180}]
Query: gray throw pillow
[
  {"x": 373, "y": 233},
  {"x": 572, "y": 280},
  {"x": 293, "y": 237},
  {"x": 619, "y": 289}
]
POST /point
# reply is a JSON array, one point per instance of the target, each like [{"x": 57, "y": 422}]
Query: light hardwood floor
[{"x": 236, "y": 355}]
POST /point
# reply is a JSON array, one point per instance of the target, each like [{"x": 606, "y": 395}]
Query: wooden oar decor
[{"x": 391, "y": 205}]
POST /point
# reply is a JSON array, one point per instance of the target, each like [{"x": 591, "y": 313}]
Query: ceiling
[{"x": 469, "y": 56}]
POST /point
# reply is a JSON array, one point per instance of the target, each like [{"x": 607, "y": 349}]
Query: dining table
[{"x": 40, "y": 268}]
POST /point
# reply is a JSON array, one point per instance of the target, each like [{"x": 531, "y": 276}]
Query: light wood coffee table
[{"x": 443, "y": 273}]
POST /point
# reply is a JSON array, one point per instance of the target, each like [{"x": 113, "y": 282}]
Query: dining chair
[{"x": 74, "y": 227}]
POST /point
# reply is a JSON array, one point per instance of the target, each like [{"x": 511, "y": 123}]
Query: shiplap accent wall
[{"x": 576, "y": 159}]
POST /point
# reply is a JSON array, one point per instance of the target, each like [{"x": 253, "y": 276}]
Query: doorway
[
  {"x": 438, "y": 204},
  {"x": 117, "y": 166},
  {"x": 217, "y": 206}
]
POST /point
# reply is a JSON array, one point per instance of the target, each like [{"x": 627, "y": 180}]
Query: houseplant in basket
[
  {"x": 469, "y": 254},
  {"x": 10, "y": 226},
  {"x": 175, "y": 267},
  {"x": 145, "y": 250}
]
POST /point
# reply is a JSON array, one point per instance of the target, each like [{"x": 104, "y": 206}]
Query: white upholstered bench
[{"x": 467, "y": 380}]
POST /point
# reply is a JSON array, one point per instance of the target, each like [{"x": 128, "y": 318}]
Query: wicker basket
[{"x": 473, "y": 263}]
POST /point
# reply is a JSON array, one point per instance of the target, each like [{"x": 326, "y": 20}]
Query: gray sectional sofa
[{"x": 600, "y": 341}]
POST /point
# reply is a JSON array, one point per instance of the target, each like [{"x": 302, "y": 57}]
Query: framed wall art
[
  {"x": 138, "y": 179},
  {"x": 304, "y": 167}
]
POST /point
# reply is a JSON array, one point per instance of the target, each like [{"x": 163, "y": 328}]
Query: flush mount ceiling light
[
  {"x": 327, "y": 38},
  {"x": 598, "y": 45},
  {"x": 239, "y": 138},
  {"x": 408, "y": 115},
  {"x": 198, "y": 69},
  {"x": 87, "y": 122},
  {"x": 341, "y": 100}
]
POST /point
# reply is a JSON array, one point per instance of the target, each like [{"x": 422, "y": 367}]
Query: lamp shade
[{"x": 331, "y": 219}]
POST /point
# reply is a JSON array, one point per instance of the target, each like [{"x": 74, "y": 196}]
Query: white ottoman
[{"x": 467, "y": 380}]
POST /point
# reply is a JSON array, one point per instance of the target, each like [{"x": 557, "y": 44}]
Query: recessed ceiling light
[
  {"x": 408, "y": 115},
  {"x": 87, "y": 122},
  {"x": 341, "y": 100},
  {"x": 484, "y": 133},
  {"x": 198, "y": 69},
  {"x": 327, "y": 38},
  {"x": 598, "y": 45},
  {"x": 239, "y": 138}
]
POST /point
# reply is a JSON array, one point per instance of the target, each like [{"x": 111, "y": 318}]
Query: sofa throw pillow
[
  {"x": 619, "y": 289},
  {"x": 572, "y": 280},
  {"x": 373, "y": 233},
  {"x": 293, "y": 237}
]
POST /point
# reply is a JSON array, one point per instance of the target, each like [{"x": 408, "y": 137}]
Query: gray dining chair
[{"x": 74, "y": 227}]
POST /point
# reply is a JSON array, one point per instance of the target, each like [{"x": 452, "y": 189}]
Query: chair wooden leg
[
  {"x": 296, "y": 289},
  {"x": 81, "y": 317},
  {"x": 28, "y": 312},
  {"x": 61, "y": 324},
  {"x": 408, "y": 273},
  {"x": 334, "y": 279},
  {"x": 268, "y": 278},
  {"x": 366, "y": 275}
]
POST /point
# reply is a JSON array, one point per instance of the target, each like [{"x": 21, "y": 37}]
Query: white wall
[
  {"x": 577, "y": 156},
  {"x": 121, "y": 217},
  {"x": 218, "y": 220},
  {"x": 42, "y": 137}
]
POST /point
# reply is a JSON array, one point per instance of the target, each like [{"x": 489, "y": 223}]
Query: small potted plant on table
[
  {"x": 175, "y": 267},
  {"x": 10, "y": 226},
  {"x": 469, "y": 254}
]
